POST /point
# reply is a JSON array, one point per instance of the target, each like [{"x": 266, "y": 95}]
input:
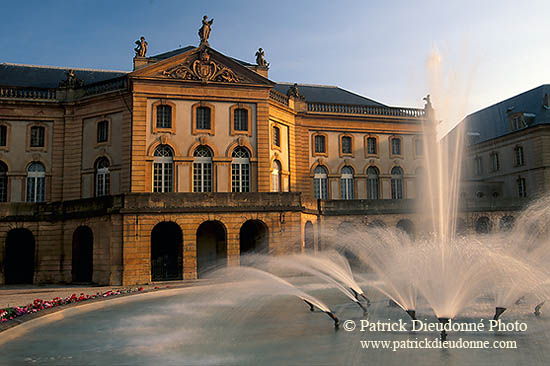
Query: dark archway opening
[
  {"x": 211, "y": 246},
  {"x": 309, "y": 244},
  {"x": 254, "y": 237},
  {"x": 406, "y": 226},
  {"x": 483, "y": 225},
  {"x": 19, "y": 259},
  {"x": 166, "y": 252},
  {"x": 82, "y": 257},
  {"x": 506, "y": 223}
]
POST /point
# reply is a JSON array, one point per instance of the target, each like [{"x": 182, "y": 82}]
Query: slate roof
[
  {"x": 165, "y": 55},
  {"x": 49, "y": 76},
  {"x": 493, "y": 122},
  {"x": 328, "y": 94}
]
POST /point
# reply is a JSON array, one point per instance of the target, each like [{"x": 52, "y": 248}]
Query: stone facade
[{"x": 186, "y": 163}]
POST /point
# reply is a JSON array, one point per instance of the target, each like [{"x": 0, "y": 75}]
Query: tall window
[
  {"x": 202, "y": 169},
  {"x": 164, "y": 116},
  {"x": 276, "y": 177},
  {"x": 396, "y": 146},
  {"x": 495, "y": 163},
  {"x": 478, "y": 165},
  {"x": 102, "y": 177},
  {"x": 240, "y": 170},
  {"x": 346, "y": 183},
  {"x": 418, "y": 147},
  {"x": 522, "y": 189},
  {"x": 320, "y": 144},
  {"x": 163, "y": 169},
  {"x": 371, "y": 146},
  {"x": 373, "y": 185},
  {"x": 37, "y": 136},
  {"x": 518, "y": 155},
  {"x": 203, "y": 119},
  {"x": 3, "y": 182},
  {"x": 346, "y": 145},
  {"x": 276, "y": 136},
  {"x": 240, "y": 119},
  {"x": 396, "y": 183},
  {"x": 320, "y": 183},
  {"x": 36, "y": 183},
  {"x": 102, "y": 131},
  {"x": 3, "y": 135}
]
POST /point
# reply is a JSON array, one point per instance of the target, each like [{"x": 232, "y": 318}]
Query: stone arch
[
  {"x": 211, "y": 246},
  {"x": 406, "y": 226},
  {"x": 19, "y": 260},
  {"x": 166, "y": 252},
  {"x": 506, "y": 223},
  {"x": 165, "y": 141},
  {"x": 82, "y": 255},
  {"x": 241, "y": 142},
  {"x": 202, "y": 142},
  {"x": 254, "y": 237},
  {"x": 483, "y": 225}
]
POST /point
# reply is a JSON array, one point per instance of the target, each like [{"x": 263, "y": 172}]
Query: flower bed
[{"x": 37, "y": 305}]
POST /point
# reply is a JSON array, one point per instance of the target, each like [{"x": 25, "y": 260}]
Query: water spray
[
  {"x": 498, "y": 312},
  {"x": 537, "y": 308},
  {"x": 356, "y": 294},
  {"x": 443, "y": 321}
]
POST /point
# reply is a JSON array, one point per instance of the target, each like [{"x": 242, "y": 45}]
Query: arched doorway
[
  {"x": 19, "y": 260},
  {"x": 506, "y": 223},
  {"x": 82, "y": 257},
  {"x": 483, "y": 225},
  {"x": 309, "y": 243},
  {"x": 211, "y": 246},
  {"x": 254, "y": 237},
  {"x": 166, "y": 252},
  {"x": 406, "y": 226}
]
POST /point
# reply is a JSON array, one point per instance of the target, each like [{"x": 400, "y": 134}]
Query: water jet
[
  {"x": 333, "y": 317},
  {"x": 443, "y": 335},
  {"x": 538, "y": 307}
]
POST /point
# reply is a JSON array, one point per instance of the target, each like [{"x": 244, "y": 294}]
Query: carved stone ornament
[
  {"x": 71, "y": 81},
  {"x": 240, "y": 141},
  {"x": 202, "y": 140},
  {"x": 202, "y": 69},
  {"x": 294, "y": 92},
  {"x": 163, "y": 140}
]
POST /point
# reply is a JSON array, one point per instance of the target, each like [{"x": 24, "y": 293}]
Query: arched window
[
  {"x": 164, "y": 116},
  {"x": 240, "y": 170},
  {"x": 396, "y": 183},
  {"x": 163, "y": 169},
  {"x": 276, "y": 177},
  {"x": 202, "y": 169},
  {"x": 102, "y": 177},
  {"x": 346, "y": 183},
  {"x": 373, "y": 183},
  {"x": 3, "y": 182},
  {"x": 36, "y": 182},
  {"x": 320, "y": 182}
]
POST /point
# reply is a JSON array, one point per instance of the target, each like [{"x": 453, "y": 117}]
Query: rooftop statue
[
  {"x": 204, "y": 31},
  {"x": 141, "y": 49},
  {"x": 260, "y": 60}
]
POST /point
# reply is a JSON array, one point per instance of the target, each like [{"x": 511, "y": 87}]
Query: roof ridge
[
  {"x": 313, "y": 85},
  {"x": 63, "y": 68}
]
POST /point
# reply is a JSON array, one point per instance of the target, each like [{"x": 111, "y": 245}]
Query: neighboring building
[
  {"x": 185, "y": 163},
  {"x": 507, "y": 152}
]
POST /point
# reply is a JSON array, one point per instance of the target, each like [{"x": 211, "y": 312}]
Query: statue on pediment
[
  {"x": 260, "y": 60},
  {"x": 204, "y": 31},
  {"x": 141, "y": 49},
  {"x": 428, "y": 102}
]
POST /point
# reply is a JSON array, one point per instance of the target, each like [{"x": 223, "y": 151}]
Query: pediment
[{"x": 204, "y": 65}]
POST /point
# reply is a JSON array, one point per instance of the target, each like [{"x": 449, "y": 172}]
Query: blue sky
[{"x": 486, "y": 50}]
